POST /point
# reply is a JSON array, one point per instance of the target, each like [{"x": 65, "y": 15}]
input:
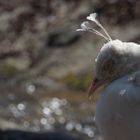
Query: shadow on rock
[{"x": 24, "y": 135}]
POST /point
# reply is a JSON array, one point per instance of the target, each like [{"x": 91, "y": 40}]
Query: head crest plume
[{"x": 85, "y": 26}]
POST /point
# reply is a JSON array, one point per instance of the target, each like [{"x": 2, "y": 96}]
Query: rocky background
[{"x": 46, "y": 66}]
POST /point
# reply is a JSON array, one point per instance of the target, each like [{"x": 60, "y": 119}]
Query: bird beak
[{"x": 94, "y": 86}]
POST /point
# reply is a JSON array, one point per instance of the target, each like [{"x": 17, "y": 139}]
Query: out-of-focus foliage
[
  {"x": 78, "y": 82},
  {"x": 39, "y": 38}
]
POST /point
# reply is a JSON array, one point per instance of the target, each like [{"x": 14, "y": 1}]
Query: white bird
[
  {"x": 118, "y": 65},
  {"x": 115, "y": 59},
  {"x": 118, "y": 110}
]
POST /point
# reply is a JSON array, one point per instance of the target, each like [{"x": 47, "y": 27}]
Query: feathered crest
[{"x": 85, "y": 26}]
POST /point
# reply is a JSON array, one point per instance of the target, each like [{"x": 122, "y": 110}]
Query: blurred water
[{"x": 35, "y": 110}]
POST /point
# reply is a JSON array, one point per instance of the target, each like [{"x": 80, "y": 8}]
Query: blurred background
[{"x": 46, "y": 66}]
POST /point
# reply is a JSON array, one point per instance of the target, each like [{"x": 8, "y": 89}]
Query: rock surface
[{"x": 20, "y": 135}]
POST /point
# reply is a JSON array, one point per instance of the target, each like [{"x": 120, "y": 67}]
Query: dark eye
[{"x": 108, "y": 66}]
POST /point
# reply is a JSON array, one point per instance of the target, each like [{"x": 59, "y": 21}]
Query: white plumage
[
  {"x": 118, "y": 65},
  {"x": 118, "y": 110}
]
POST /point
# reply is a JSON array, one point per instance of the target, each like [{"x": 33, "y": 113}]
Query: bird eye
[{"x": 108, "y": 66}]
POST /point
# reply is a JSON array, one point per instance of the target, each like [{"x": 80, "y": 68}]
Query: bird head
[{"x": 115, "y": 59}]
